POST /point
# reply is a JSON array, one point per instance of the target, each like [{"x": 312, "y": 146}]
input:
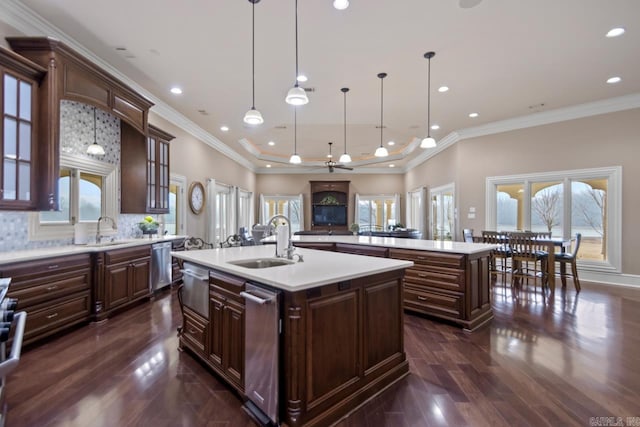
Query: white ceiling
[{"x": 501, "y": 58}]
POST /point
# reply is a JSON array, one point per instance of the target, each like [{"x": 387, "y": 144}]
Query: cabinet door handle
[
  {"x": 421, "y": 258},
  {"x": 52, "y": 288},
  {"x": 421, "y": 298},
  {"x": 192, "y": 331},
  {"x": 51, "y": 267},
  {"x": 51, "y": 316},
  {"x": 422, "y": 275}
]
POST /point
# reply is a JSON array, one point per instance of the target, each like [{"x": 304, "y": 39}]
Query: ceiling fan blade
[{"x": 343, "y": 167}]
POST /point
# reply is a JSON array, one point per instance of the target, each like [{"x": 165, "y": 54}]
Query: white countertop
[
  {"x": 34, "y": 254},
  {"x": 319, "y": 267},
  {"x": 395, "y": 242}
]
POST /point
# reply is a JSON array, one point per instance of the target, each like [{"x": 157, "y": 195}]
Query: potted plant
[{"x": 355, "y": 228}]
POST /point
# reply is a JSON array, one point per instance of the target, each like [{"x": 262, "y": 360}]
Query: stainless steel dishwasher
[
  {"x": 262, "y": 356},
  {"x": 160, "y": 265}
]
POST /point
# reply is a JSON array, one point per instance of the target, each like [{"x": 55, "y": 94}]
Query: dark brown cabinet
[
  {"x": 226, "y": 315},
  {"x": 145, "y": 171},
  {"x": 125, "y": 278},
  {"x": 347, "y": 248},
  {"x": 176, "y": 265},
  {"x": 21, "y": 174},
  {"x": 195, "y": 332},
  {"x": 55, "y": 292},
  {"x": 329, "y": 205}
]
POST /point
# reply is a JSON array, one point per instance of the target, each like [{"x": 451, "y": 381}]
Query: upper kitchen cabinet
[
  {"x": 22, "y": 156},
  {"x": 147, "y": 188},
  {"x": 71, "y": 76}
]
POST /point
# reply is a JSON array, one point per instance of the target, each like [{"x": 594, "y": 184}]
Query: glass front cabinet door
[
  {"x": 158, "y": 170},
  {"x": 19, "y": 85}
]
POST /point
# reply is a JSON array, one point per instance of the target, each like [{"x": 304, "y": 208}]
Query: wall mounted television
[{"x": 329, "y": 215}]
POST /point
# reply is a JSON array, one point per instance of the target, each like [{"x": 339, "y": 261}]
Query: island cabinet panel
[
  {"x": 343, "y": 344},
  {"x": 55, "y": 292},
  {"x": 454, "y": 287},
  {"x": 123, "y": 278},
  {"x": 195, "y": 332},
  {"x": 227, "y": 322},
  {"x": 319, "y": 246},
  {"x": 378, "y": 251}
]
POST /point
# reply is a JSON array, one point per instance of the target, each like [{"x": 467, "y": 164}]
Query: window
[
  {"x": 415, "y": 210},
  {"x": 174, "y": 220},
  {"x": 442, "y": 219},
  {"x": 220, "y": 212},
  {"x": 87, "y": 190},
  {"x": 290, "y": 206},
  {"x": 565, "y": 203},
  {"x": 245, "y": 209},
  {"x": 377, "y": 213}
]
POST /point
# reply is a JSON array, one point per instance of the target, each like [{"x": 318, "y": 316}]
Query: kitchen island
[{"x": 341, "y": 340}]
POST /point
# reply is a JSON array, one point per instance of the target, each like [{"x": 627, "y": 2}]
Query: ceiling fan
[{"x": 331, "y": 164}]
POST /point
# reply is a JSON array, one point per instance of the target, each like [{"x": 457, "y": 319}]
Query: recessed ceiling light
[
  {"x": 391, "y": 143},
  {"x": 176, "y": 90},
  {"x": 613, "y": 80},
  {"x": 271, "y": 143},
  {"x": 473, "y": 115},
  {"x": 341, "y": 4},
  {"x": 435, "y": 127},
  {"x": 615, "y": 32},
  {"x": 224, "y": 128},
  {"x": 302, "y": 78},
  {"x": 443, "y": 89},
  {"x": 268, "y": 166},
  {"x": 392, "y": 165}
]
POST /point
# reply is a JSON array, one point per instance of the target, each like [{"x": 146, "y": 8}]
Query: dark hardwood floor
[{"x": 542, "y": 362}]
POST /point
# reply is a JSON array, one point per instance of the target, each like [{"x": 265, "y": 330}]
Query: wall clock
[{"x": 196, "y": 197}]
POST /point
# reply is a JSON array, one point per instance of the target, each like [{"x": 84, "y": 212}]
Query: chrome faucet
[
  {"x": 113, "y": 224},
  {"x": 289, "y": 250}
]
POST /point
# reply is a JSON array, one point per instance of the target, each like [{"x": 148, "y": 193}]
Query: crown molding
[
  {"x": 317, "y": 170},
  {"x": 30, "y": 23}
]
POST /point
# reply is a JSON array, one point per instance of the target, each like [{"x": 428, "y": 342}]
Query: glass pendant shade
[
  {"x": 381, "y": 152},
  {"x": 295, "y": 159},
  {"x": 95, "y": 149},
  {"x": 345, "y": 158},
  {"x": 296, "y": 96},
  {"x": 428, "y": 142},
  {"x": 253, "y": 117},
  {"x": 341, "y": 4}
]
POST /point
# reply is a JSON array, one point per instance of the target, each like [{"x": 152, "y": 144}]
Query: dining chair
[
  {"x": 529, "y": 259},
  {"x": 500, "y": 254},
  {"x": 565, "y": 258},
  {"x": 467, "y": 233}
]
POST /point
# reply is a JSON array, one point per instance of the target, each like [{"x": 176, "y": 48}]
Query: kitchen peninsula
[{"x": 341, "y": 338}]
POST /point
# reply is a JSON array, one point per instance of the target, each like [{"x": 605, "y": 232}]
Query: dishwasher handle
[
  {"x": 194, "y": 274},
  {"x": 14, "y": 357},
  {"x": 256, "y": 299}
]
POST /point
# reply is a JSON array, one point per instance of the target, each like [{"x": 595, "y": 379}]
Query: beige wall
[
  {"x": 292, "y": 184},
  {"x": 599, "y": 141},
  {"x": 197, "y": 161}
]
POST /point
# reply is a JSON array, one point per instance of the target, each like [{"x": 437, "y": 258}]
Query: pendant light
[
  {"x": 428, "y": 142},
  {"x": 296, "y": 95},
  {"x": 95, "y": 148},
  {"x": 253, "y": 116},
  {"x": 341, "y": 4},
  {"x": 381, "y": 151},
  {"x": 295, "y": 159},
  {"x": 345, "y": 158}
]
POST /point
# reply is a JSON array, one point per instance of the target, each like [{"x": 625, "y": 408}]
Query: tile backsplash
[{"x": 76, "y": 133}]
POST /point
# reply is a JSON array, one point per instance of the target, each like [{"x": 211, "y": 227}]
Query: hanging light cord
[
  {"x": 429, "y": 99},
  {"x": 95, "y": 137},
  {"x": 296, "y": 43},
  {"x": 381, "y": 107},
  {"x": 253, "y": 54},
  {"x": 345, "y": 121},
  {"x": 295, "y": 129}
]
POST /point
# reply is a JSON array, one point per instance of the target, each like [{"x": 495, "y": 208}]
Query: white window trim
[
  {"x": 422, "y": 221},
  {"x": 111, "y": 206},
  {"x": 242, "y": 193},
  {"x": 451, "y": 187},
  {"x": 372, "y": 197},
  {"x": 298, "y": 198},
  {"x": 614, "y": 207},
  {"x": 214, "y": 188}
]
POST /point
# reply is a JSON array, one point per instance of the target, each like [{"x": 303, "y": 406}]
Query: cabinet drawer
[
  {"x": 233, "y": 285},
  {"x": 54, "y": 286},
  {"x": 431, "y": 259},
  {"x": 49, "y": 318},
  {"x": 195, "y": 331},
  {"x": 317, "y": 246},
  {"x": 362, "y": 250},
  {"x": 127, "y": 254},
  {"x": 225, "y": 295},
  {"x": 448, "y": 305},
  {"x": 443, "y": 278},
  {"x": 42, "y": 269}
]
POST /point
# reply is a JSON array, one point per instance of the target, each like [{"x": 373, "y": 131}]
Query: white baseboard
[{"x": 618, "y": 279}]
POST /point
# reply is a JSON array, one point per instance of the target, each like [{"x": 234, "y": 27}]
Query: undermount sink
[
  {"x": 107, "y": 243},
  {"x": 262, "y": 262}
]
